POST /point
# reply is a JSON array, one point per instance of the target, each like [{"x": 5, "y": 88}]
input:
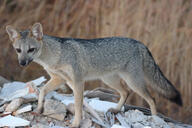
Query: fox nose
[{"x": 23, "y": 63}]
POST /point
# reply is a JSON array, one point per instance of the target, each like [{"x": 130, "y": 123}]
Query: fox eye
[
  {"x": 18, "y": 50},
  {"x": 31, "y": 50}
]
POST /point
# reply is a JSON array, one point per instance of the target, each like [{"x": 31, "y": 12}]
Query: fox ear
[
  {"x": 12, "y": 32},
  {"x": 37, "y": 31}
]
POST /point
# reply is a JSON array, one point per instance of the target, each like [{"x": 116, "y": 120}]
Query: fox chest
[{"x": 64, "y": 71}]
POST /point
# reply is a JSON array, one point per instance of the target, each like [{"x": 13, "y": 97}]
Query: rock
[
  {"x": 70, "y": 108},
  {"x": 86, "y": 123},
  {"x": 2, "y": 108},
  {"x": 17, "y": 89},
  {"x": 117, "y": 126},
  {"x": 157, "y": 120},
  {"x": 54, "y": 109},
  {"x": 133, "y": 116},
  {"x": 138, "y": 125},
  {"x": 12, "y": 121},
  {"x": 3, "y": 81},
  {"x": 39, "y": 126},
  {"x": 96, "y": 125},
  {"x": 11, "y": 91},
  {"x": 176, "y": 126},
  {"x": 137, "y": 119},
  {"x": 14, "y": 105},
  {"x": 23, "y": 110},
  {"x": 101, "y": 106}
]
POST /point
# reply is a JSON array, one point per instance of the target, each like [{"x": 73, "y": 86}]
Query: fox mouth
[{"x": 25, "y": 62}]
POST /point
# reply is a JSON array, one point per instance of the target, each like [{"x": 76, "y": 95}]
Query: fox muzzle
[{"x": 25, "y": 62}]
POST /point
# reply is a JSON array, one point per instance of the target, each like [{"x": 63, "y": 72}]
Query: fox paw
[
  {"x": 74, "y": 126},
  {"x": 38, "y": 110},
  {"x": 113, "y": 110}
]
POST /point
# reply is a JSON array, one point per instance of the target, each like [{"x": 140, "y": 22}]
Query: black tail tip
[{"x": 177, "y": 99}]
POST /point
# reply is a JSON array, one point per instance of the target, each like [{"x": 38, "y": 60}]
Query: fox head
[{"x": 27, "y": 43}]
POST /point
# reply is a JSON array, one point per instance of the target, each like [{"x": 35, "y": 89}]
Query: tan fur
[
  {"x": 59, "y": 75},
  {"x": 51, "y": 85},
  {"x": 113, "y": 81}
]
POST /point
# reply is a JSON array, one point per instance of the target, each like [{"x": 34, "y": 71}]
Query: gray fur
[
  {"x": 102, "y": 56},
  {"x": 94, "y": 58}
]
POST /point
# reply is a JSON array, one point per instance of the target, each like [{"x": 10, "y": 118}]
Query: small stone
[
  {"x": 86, "y": 123},
  {"x": 54, "y": 109},
  {"x": 70, "y": 108},
  {"x": 157, "y": 120},
  {"x": 39, "y": 126},
  {"x": 138, "y": 125},
  {"x": 133, "y": 116},
  {"x": 2, "y": 108},
  {"x": 97, "y": 125},
  {"x": 3, "y": 81},
  {"x": 23, "y": 110},
  {"x": 14, "y": 105}
]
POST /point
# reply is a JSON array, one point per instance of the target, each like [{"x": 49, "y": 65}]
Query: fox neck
[{"x": 49, "y": 53}]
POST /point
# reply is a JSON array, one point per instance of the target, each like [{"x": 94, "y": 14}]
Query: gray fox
[{"x": 74, "y": 61}]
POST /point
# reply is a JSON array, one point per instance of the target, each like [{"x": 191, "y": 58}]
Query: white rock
[
  {"x": 14, "y": 90},
  {"x": 138, "y": 125},
  {"x": 14, "y": 105},
  {"x": 37, "y": 82},
  {"x": 157, "y": 119},
  {"x": 3, "y": 81},
  {"x": 38, "y": 125},
  {"x": 133, "y": 116},
  {"x": 70, "y": 108},
  {"x": 12, "y": 121},
  {"x": 102, "y": 106},
  {"x": 117, "y": 126},
  {"x": 54, "y": 109},
  {"x": 86, "y": 123},
  {"x": 24, "y": 109},
  {"x": 63, "y": 98},
  {"x": 158, "y": 122}
]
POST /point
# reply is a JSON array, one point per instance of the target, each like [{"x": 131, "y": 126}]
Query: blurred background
[{"x": 165, "y": 26}]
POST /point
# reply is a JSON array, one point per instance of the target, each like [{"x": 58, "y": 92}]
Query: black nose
[{"x": 23, "y": 63}]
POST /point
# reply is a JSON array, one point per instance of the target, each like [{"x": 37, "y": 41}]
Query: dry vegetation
[{"x": 165, "y": 26}]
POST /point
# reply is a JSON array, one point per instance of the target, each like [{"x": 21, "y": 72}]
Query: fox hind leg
[
  {"x": 137, "y": 83},
  {"x": 114, "y": 82}
]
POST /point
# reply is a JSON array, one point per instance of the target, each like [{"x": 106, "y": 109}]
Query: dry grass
[{"x": 164, "y": 26}]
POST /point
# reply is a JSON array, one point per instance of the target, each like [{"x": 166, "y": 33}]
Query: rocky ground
[{"x": 19, "y": 101}]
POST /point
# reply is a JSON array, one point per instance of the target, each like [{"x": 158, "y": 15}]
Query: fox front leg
[
  {"x": 51, "y": 85},
  {"x": 78, "y": 94},
  {"x": 78, "y": 89}
]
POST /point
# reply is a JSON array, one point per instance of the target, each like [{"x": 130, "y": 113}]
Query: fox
[{"x": 74, "y": 61}]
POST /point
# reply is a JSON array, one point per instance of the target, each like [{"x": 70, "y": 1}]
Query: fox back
[{"x": 99, "y": 56}]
